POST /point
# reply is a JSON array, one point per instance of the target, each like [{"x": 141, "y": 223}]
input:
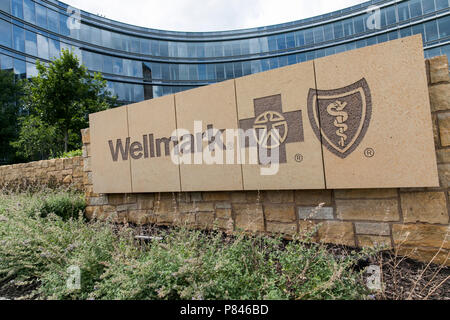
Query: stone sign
[{"x": 359, "y": 119}]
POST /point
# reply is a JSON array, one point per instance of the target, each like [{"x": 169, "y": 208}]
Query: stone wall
[
  {"x": 55, "y": 172},
  {"x": 413, "y": 221}
]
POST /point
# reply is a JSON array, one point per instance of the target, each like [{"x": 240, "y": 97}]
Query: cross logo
[{"x": 272, "y": 127}]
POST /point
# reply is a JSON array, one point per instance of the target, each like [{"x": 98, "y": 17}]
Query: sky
[{"x": 208, "y": 15}]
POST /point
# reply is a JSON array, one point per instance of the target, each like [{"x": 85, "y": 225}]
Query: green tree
[
  {"x": 37, "y": 140},
  {"x": 11, "y": 91},
  {"x": 59, "y": 100}
]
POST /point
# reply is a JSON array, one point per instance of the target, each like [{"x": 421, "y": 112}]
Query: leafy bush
[
  {"x": 65, "y": 204},
  {"x": 177, "y": 264},
  {"x": 71, "y": 154}
]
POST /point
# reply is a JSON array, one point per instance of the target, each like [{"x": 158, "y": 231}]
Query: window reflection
[{"x": 208, "y": 61}]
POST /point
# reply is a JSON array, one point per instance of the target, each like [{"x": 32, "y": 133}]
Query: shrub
[
  {"x": 65, "y": 204},
  {"x": 71, "y": 154},
  {"x": 38, "y": 245}
]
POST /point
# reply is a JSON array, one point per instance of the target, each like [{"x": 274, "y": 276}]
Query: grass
[{"x": 43, "y": 236}]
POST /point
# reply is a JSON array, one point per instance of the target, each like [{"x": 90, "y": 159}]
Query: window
[
  {"x": 405, "y": 32},
  {"x": 42, "y": 45},
  {"x": 220, "y": 73},
  {"x": 117, "y": 65},
  {"x": 392, "y": 35},
  {"x": 318, "y": 35},
  {"x": 191, "y": 50},
  {"x": 228, "y": 49},
  {"x": 255, "y": 66},
  {"x": 174, "y": 73},
  {"x": 184, "y": 72},
  {"x": 263, "y": 44},
  {"x": 444, "y": 27},
  {"x": 431, "y": 30},
  {"x": 390, "y": 15},
  {"x": 290, "y": 40},
  {"x": 247, "y": 68},
  {"x": 6, "y": 62},
  {"x": 403, "y": 11},
  {"x": 17, "y": 8},
  {"x": 441, "y": 4},
  {"x": 182, "y": 49},
  {"x": 5, "y": 31},
  {"x": 106, "y": 38},
  {"x": 361, "y": 44},
  {"x": 282, "y": 61},
  {"x": 96, "y": 36},
  {"x": 209, "y": 50},
  {"x": 202, "y": 72},
  {"x": 238, "y": 69},
  {"x": 163, "y": 49},
  {"x": 30, "y": 43},
  {"x": 272, "y": 43},
  {"x": 135, "y": 45},
  {"x": 20, "y": 68},
  {"x": 155, "y": 47},
  {"x": 281, "y": 42},
  {"x": 273, "y": 63},
  {"x": 338, "y": 31},
  {"x": 63, "y": 28},
  {"x": 211, "y": 71},
  {"x": 29, "y": 13},
  {"x": 156, "y": 71},
  {"x": 53, "y": 21},
  {"x": 116, "y": 41},
  {"x": 309, "y": 37},
  {"x": 428, "y": 6},
  {"x": 31, "y": 70},
  {"x": 5, "y": 5},
  {"x": 359, "y": 23},
  {"x": 54, "y": 49},
  {"x": 328, "y": 32},
  {"x": 299, "y": 39},
  {"x": 415, "y": 8},
  {"x": 41, "y": 16},
  {"x": 236, "y": 45},
  {"x": 145, "y": 46},
  {"x": 85, "y": 33},
  {"x": 292, "y": 59},
  {"x": 19, "y": 38},
  {"x": 127, "y": 67},
  {"x": 165, "y": 73},
  {"x": 382, "y": 38},
  {"x": 301, "y": 57},
  {"x": 348, "y": 27},
  {"x": 329, "y": 51},
  {"x": 265, "y": 65},
  {"x": 201, "y": 49},
  {"x": 229, "y": 71}
]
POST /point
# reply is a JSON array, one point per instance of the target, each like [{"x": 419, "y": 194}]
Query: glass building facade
[{"x": 142, "y": 63}]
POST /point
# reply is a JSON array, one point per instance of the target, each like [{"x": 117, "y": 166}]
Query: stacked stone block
[{"x": 66, "y": 172}]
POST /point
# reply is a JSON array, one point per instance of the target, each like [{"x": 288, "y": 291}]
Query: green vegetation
[
  {"x": 42, "y": 117},
  {"x": 11, "y": 91},
  {"x": 70, "y": 154},
  {"x": 39, "y": 247}
]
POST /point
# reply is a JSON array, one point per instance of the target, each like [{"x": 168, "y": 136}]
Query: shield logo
[{"x": 340, "y": 117}]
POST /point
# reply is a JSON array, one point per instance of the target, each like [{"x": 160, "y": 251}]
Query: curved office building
[{"x": 142, "y": 63}]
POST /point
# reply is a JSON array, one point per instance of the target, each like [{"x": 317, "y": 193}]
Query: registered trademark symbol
[
  {"x": 298, "y": 157},
  {"x": 369, "y": 152}
]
